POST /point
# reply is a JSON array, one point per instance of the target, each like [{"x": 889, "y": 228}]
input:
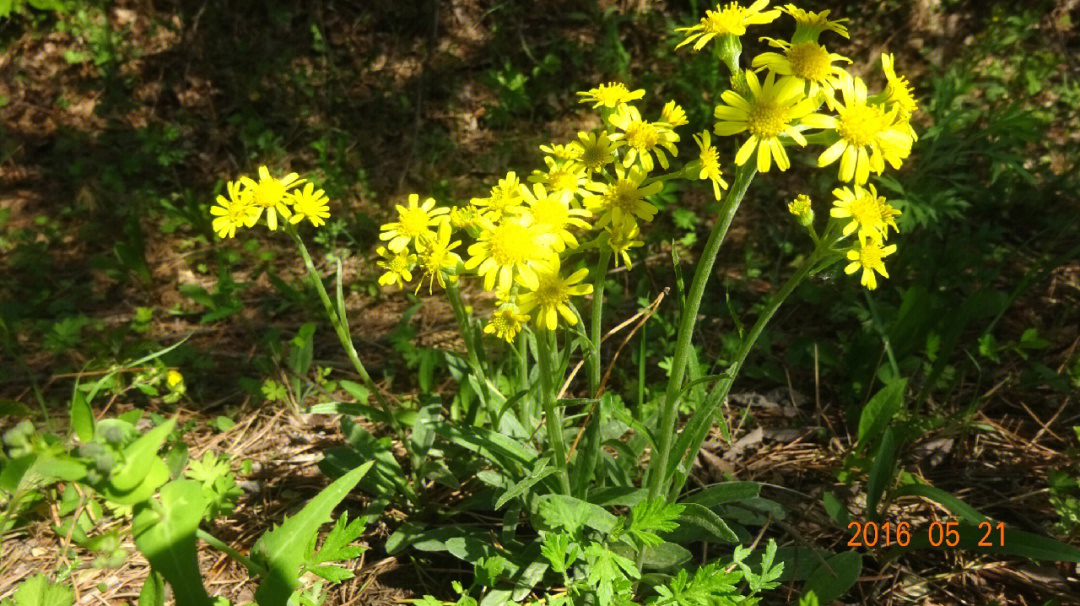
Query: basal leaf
[{"x": 166, "y": 536}]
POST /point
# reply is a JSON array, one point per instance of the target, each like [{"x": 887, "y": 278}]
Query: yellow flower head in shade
[
  {"x": 566, "y": 181},
  {"x": 868, "y": 256},
  {"x": 597, "y": 150},
  {"x": 437, "y": 258},
  {"x": 771, "y": 110},
  {"x": 802, "y": 209},
  {"x": 268, "y": 194},
  {"x": 509, "y": 249},
  {"x": 310, "y": 203},
  {"x": 238, "y": 210},
  {"x": 174, "y": 379},
  {"x": 506, "y": 323},
  {"x": 809, "y": 25},
  {"x": 560, "y": 152},
  {"x": 551, "y": 214},
  {"x": 868, "y": 212},
  {"x": 610, "y": 95},
  {"x": 623, "y": 199},
  {"x": 464, "y": 217},
  {"x": 709, "y": 159},
  {"x": 415, "y": 221},
  {"x": 673, "y": 115},
  {"x": 505, "y": 199},
  {"x": 810, "y": 62},
  {"x": 643, "y": 138},
  {"x": 398, "y": 266},
  {"x": 621, "y": 238},
  {"x": 551, "y": 296},
  {"x": 898, "y": 93},
  {"x": 730, "y": 20}
]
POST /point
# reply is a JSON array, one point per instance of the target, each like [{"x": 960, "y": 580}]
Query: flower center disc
[
  {"x": 511, "y": 244},
  {"x": 865, "y": 211},
  {"x": 414, "y": 221},
  {"x": 859, "y": 125},
  {"x": 766, "y": 120},
  {"x": 809, "y": 61},
  {"x": 642, "y": 135},
  {"x": 269, "y": 192}
]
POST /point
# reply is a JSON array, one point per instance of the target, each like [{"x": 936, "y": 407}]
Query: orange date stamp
[{"x": 938, "y": 534}]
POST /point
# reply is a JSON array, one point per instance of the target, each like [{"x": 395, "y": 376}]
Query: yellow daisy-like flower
[
  {"x": 398, "y": 266},
  {"x": 465, "y": 217},
  {"x": 597, "y": 150},
  {"x": 899, "y": 93},
  {"x": 623, "y": 199},
  {"x": 513, "y": 247},
  {"x": 551, "y": 214},
  {"x": 802, "y": 209},
  {"x": 551, "y": 296},
  {"x": 673, "y": 115},
  {"x": 709, "y": 159},
  {"x": 730, "y": 20},
  {"x": 868, "y": 257},
  {"x": 561, "y": 152},
  {"x": 310, "y": 203},
  {"x": 567, "y": 180},
  {"x": 505, "y": 199},
  {"x": 238, "y": 210},
  {"x": 770, "y": 111},
  {"x": 810, "y": 62},
  {"x": 869, "y": 136},
  {"x": 268, "y": 194},
  {"x": 643, "y": 138},
  {"x": 809, "y": 25},
  {"x": 437, "y": 259},
  {"x": 415, "y": 221},
  {"x": 610, "y": 95},
  {"x": 174, "y": 380},
  {"x": 869, "y": 213},
  {"x": 506, "y": 323},
  {"x": 621, "y": 238}
]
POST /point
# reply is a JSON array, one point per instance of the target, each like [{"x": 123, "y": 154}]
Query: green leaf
[
  {"x": 539, "y": 473},
  {"x": 726, "y": 492},
  {"x": 501, "y": 450},
  {"x": 386, "y": 480},
  {"x": 157, "y": 473},
  {"x": 836, "y": 510},
  {"x": 608, "y": 571},
  {"x": 881, "y": 473},
  {"x": 130, "y": 474},
  {"x": 38, "y": 591},
  {"x": 281, "y": 550},
  {"x": 562, "y": 511},
  {"x": 663, "y": 556},
  {"x": 706, "y": 520},
  {"x": 959, "y": 508},
  {"x": 879, "y": 411},
  {"x": 829, "y": 587},
  {"x": 82, "y": 418},
  {"x": 166, "y": 536},
  {"x": 153, "y": 590},
  {"x": 650, "y": 517}
]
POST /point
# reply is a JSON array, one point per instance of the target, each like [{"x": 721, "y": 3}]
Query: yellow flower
[
  {"x": 610, "y": 95},
  {"x": 597, "y": 150},
  {"x": 505, "y": 323},
  {"x": 414, "y": 222},
  {"x": 237, "y": 210},
  {"x": 869, "y": 213},
  {"x": 623, "y": 199},
  {"x": 770, "y": 112},
  {"x": 561, "y": 152},
  {"x": 730, "y": 20},
  {"x": 269, "y": 194},
  {"x": 551, "y": 296},
  {"x": 398, "y": 266},
  {"x": 869, "y": 136},
  {"x": 551, "y": 214},
  {"x": 310, "y": 203},
  {"x": 173, "y": 379},
  {"x": 505, "y": 199},
  {"x": 643, "y": 138},
  {"x": 868, "y": 257},
  {"x": 673, "y": 115},
  {"x": 709, "y": 159},
  {"x": 513, "y": 247},
  {"x": 567, "y": 180},
  {"x": 809, "y": 25},
  {"x": 899, "y": 93},
  {"x": 621, "y": 238},
  {"x": 801, "y": 208},
  {"x": 810, "y": 62},
  {"x": 437, "y": 259},
  {"x": 464, "y": 217}
]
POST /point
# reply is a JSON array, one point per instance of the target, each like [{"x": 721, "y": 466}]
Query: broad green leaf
[
  {"x": 153, "y": 590},
  {"x": 829, "y": 587},
  {"x": 725, "y": 492},
  {"x": 166, "y": 536},
  {"x": 880, "y": 410},
  {"x": 662, "y": 556},
  {"x": 706, "y": 521},
  {"x": 157, "y": 473},
  {"x": 618, "y": 496},
  {"x": 567, "y": 512},
  {"x": 881, "y": 473},
  {"x": 38, "y": 591},
  {"x": 539, "y": 473},
  {"x": 281, "y": 550},
  {"x": 130, "y": 474},
  {"x": 82, "y": 418}
]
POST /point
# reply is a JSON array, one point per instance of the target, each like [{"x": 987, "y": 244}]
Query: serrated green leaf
[
  {"x": 166, "y": 536},
  {"x": 562, "y": 511},
  {"x": 39, "y": 591}
]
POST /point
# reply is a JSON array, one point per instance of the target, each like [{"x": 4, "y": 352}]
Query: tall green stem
[
  {"x": 471, "y": 342},
  {"x": 595, "y": 319},
  {"x": 656, "y": 475},
  {"x": 551, "y": 414},
  {"x": 252, "y": 568}
]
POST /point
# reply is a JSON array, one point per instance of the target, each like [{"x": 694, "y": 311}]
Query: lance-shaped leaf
[{"x": 166, "y": 536}]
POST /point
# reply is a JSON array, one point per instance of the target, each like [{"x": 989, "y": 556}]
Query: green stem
[
  {"x": 551, "y": 414},
  {"x": 253, "y": 568},
  {"x": 596, "y": 317},
  {"x": 656, "y": 473}
]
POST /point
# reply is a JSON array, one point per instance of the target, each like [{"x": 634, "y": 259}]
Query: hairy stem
[
  {"x": 551, "y": 414},
  {"x": 595, "y": 319}
]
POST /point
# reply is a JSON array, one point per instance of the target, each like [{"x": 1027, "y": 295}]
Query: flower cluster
[
  {"x": 801, "y": 94},
  {"x": 247, "y": 200}
]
